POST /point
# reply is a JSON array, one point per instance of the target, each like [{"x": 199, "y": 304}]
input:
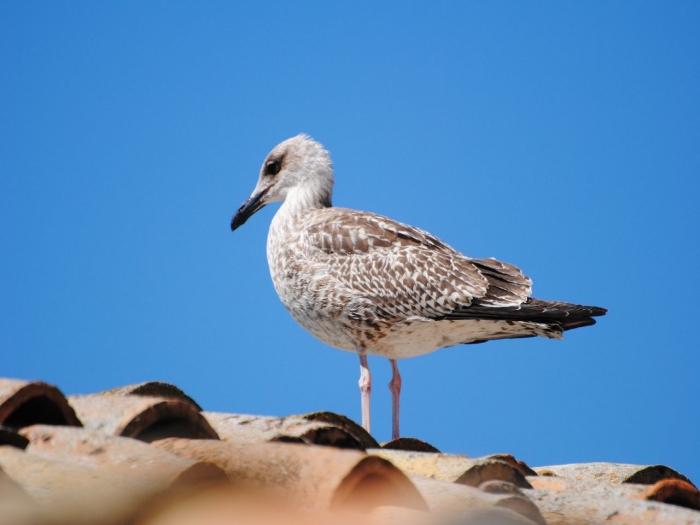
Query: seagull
[{"x": 368, "y": 284}]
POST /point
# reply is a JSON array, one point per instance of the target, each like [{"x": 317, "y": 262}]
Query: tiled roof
[{"x": 149, "y": 455}]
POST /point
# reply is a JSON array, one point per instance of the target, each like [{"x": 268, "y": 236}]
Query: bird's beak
[{"x": 249, "y": 207}]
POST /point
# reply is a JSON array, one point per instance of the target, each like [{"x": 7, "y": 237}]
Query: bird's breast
[{"x": 305, "y": 288}]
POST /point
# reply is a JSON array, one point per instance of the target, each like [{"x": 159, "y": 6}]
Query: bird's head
[{"x": 298, "y": 167}]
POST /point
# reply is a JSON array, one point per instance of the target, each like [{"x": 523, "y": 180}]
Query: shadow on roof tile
[
  {"x": 521, "y": 466},
  {"x": 24, "y": 403},
  {"x": 260, "y": 429},
  {"x": 154, "y": 389},
  {"x": 143, "y": 418},
  {"x": 409, "y": 444},
  {"x": 453, "y": 468},
  {"x": 674, "y": 492},
  {"x": 9, "y": 436},
  {"x": 351, "y": 427}
]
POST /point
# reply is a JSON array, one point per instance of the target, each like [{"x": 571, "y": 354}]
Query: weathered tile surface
[
  {"x": 242, "y": 428},
  {"x": 320, "y": 478},
  {"x": 453, "y": 468},
  {"x": 141, "y": 417},
  {"x": 148, "y": 455}
]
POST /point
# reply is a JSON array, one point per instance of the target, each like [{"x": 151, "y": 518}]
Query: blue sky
[{"x": 561, "y": 137}]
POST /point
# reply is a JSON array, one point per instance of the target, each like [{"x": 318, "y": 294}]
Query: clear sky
[{"x": 562, "y": 137}]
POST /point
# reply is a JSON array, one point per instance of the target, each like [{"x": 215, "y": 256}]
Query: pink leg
[
  {"x": 365, "y": 390},
  {"x": 395, "y": 388}
]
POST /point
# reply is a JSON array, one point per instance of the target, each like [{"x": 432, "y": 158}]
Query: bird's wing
[
  {"x": 565, "y": 315},
  {"x": 407, "y": 272}
]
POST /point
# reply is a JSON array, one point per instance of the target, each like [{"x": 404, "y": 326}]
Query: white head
[{"x": 297, "y": 168}]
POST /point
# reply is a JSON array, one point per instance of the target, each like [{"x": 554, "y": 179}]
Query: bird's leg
[
  {"x": 365, "y": 389},
  {"x": 395, "y": 388}
]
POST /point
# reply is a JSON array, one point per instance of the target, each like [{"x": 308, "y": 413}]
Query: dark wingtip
[{"x": 569, "y": 324}]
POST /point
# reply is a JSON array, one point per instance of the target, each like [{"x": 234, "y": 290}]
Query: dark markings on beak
[{"x": 248, "y": 208}]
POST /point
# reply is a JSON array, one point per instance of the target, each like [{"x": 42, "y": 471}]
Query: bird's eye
[{"x": 272, "y": 167}]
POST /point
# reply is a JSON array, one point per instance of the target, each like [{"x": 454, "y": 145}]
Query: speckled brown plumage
[
  {"x": 367, "y": 278},
  {"x": 366, "y": 283}
]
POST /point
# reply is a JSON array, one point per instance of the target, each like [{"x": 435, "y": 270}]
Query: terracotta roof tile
[
  {"x": 50, "y": 481},
  {"x": 409, "y": 444},
  {"x": 595, "y": 499},
  {"x": 118, "y": 455},
  {"x": 347, "y": 424},
  {"x": 613, "y": 472},
  {"x": 154, "y": 389},
  {"x": 260, "y": 429},
  {"x": 451, "y": 498},
  {"x": 675, "y": 492},
  {"x": 589, "y": 504},
  {"x": 24, "y": 403},
  {"x": 453, "y": 468},
  {"x": 55, "y": 474},
  {"x": 144, "y": 418},
  {"x": 521, "y": 466},
  {"x": 320, "y": 478}
]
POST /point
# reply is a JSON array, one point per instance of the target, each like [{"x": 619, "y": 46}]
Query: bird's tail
[
  {"x": 558, "y": 315},
  {"x": 568, "y": 315}
]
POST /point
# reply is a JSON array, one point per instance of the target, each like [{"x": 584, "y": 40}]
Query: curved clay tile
[
  {"x": 360, "y": 434},
  {"x": 524, "y": 469},
  {"x": 260, "y": 429},
  {"x": 118, "y": 455},
  {"x": 48, "y": 480},
  {"x": 455, "y": 498},
  {"x": 452, "y": 468},
  {"x": 144, "y": 418},
  {"x": 569, "y": 500},
  {"x": 317, "y": 478},
  {"x": 154, "y": 389},
  {"x": 409, "y": 445},
  {"x": 613, "y": 472},
  {"x": 674, "y": 492},
  {"x": 24, "y": 403}
]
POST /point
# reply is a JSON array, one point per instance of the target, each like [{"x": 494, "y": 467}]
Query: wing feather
[{"x": 405, "y": 271}]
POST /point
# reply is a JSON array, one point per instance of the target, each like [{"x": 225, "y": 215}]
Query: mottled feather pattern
[
  {"x": 420, "y": 275},
  {"x": 366, "y": 283}
]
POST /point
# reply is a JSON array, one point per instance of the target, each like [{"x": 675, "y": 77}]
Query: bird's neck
[
  {"x": 301, "y": 200},
  {"x": 284, "y": 226}
]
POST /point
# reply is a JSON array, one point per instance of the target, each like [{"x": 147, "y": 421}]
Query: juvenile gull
[{"x": 368, "y": 284}]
